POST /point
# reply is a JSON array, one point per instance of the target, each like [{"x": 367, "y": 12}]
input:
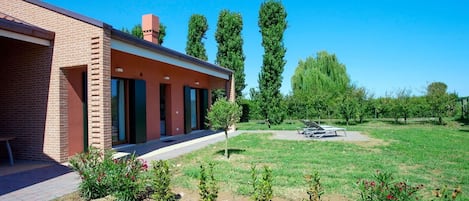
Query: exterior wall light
[
  {"x": 119, "y": 69},
  {"x": 166, "y": 77}
]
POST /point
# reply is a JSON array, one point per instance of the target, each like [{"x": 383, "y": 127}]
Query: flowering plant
[
  {"x": 384, "y": 188},
  {"x": 102, "y": 175}
]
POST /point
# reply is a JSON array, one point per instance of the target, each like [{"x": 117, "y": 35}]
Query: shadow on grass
[
  {"x": 462, "y": 121},
  {"x": 230, "y": 152}
]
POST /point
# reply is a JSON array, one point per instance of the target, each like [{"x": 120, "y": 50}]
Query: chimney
[{"x": 150, "y": 28}]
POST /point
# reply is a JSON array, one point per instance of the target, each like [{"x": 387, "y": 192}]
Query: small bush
[
  {"x": 314, "y": 186},
  {"x": 161, "y": 181},
  {"x": 208, "y": 189},
  {"x": 384, "y": 188},
  {"x": 91, "y": 166},
  {"x": 262, "y": 187},
  {"x": 101, "y": 175},
  {"x": 126, "y": 178}
]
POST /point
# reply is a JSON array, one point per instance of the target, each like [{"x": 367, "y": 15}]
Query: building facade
[{"x": 69, "y": 81}]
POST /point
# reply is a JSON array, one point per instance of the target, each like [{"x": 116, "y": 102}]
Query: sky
[{"x": 386, "y": 45}]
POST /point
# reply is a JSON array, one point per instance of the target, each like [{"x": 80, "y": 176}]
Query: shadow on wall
[{"x": 24, "y": 89}]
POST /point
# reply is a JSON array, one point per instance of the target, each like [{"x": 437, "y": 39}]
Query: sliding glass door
[{"x": 118, "y": 107}]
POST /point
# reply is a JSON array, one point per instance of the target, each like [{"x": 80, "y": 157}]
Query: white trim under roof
[
  {"x": 22, "y": 37},
  {"x": 143, "y": 52}
]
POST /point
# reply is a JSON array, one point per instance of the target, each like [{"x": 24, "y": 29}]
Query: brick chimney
[{"x": 150, "y": 28}]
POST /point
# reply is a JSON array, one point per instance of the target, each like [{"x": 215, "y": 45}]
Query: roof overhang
[
  {"x": 25, "y": 32},
  {"x": 129, "y": 44}
]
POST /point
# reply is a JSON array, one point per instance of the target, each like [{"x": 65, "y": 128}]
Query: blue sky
[{"x": 386, "y": 45}]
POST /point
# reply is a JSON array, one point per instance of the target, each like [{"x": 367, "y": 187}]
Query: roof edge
[
  {"x": 67, "y": 13},
  {"x": 120, "y": 35}
]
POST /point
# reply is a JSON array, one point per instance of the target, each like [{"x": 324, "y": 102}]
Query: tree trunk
[{"x": 226, "y": 143}]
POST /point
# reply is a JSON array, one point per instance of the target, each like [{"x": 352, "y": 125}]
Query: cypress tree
[
  {"x": 272, "y": 23},
  {"x": 197, "y": 28},
  {"x": 230, "y": 46}
]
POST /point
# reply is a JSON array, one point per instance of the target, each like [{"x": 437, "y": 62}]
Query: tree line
[{"x": 321, "y": 87}]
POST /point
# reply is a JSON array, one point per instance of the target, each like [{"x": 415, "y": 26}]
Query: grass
[{"x": 420, "y": 153}]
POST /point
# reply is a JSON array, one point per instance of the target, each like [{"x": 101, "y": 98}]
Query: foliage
[
  {"x": 384, "y": 188},
  {"x": 262, "y": 187},
  {"x": 161, "y": 34},
  {"x": 447, "y": 195},
  {"x": 197, "y": 28},
  {"x": 323, "y": 74},
  {"x": 223, "y": 114},
  {"x": 101, "y": 175},
  {"x": 254, "y": 104},
  {"x": 230, "y": 46},
  {"x": 315, "y": 189},
  {"x": 439, "y": 100},
  {"x": 126, "y": 178},
  {"x": 91, "y": 166},
  {"x": 348, "y": 104},
  {"x": 404, "y": 102},
  {"x": 208, "y": 189},
  {"x": 272, "y": 23},
  {"x": 161, "y": 181},
  {"x": 137, "y": 32}
]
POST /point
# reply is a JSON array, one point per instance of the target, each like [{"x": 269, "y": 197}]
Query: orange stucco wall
[{"x": 153, "y": 72}]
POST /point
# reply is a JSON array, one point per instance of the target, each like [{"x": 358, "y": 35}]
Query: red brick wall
[
  {"x": 24, "y": 84},
  {"x": 76, "y": 43}
]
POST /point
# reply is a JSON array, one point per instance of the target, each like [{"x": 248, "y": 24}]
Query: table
[{"x": 6, "y": 139}]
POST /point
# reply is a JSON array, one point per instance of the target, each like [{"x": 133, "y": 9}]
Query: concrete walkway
[
  {"x": 50, "y": 182},
  {"x": 56, "y": 180}
]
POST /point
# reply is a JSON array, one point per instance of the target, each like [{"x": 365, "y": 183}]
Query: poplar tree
[
  {"x": 230, "y": 46},
  {"x": 197, "y": 28},
  {"x": 272, "y": 23}
]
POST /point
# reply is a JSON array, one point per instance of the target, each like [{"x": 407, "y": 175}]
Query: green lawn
[{"x": 422, "y": 154}]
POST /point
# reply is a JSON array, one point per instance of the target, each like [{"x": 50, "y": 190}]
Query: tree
[
  {"x": 230, "y": 46},
  {"x": 320, "y": 80},
  {"x": 162, "y": 34},
  {"x": 223, "y": 114},
  {"x": 404, "y": 103},
  {"x": 362, "y": 99},
  {"x": 348, "y": 104},
  {"x": 439, "y": 100},
  {"x": 321, "y": 74},
  {"x": 137, "y": 32},
  {"x": 197, "y": 28},
  {"x": 272, "y": 23}
]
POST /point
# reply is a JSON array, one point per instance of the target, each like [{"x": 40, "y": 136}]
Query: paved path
[{"x": 54, "y": 181}]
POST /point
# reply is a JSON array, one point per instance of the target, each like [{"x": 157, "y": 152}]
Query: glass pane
[
  {"x": 193, "y": 108},
  {"x": 118, "y": 110}
]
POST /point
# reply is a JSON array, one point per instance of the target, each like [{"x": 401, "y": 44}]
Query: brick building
[{"x": 69, "y": 81}]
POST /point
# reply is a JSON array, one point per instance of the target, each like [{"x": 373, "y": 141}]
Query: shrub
[
  {"x": 262, "y": 187},
  {"x": 91, "y": 168},
  {"x": 126, "y": 178},
  {"x": 101, "y": 175},
  {"x": 161, "y": 181},
  {"x": 314, "y": 186},
  {"x": 208, "y": 189},
  {"x": 384, "y": 188}
]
